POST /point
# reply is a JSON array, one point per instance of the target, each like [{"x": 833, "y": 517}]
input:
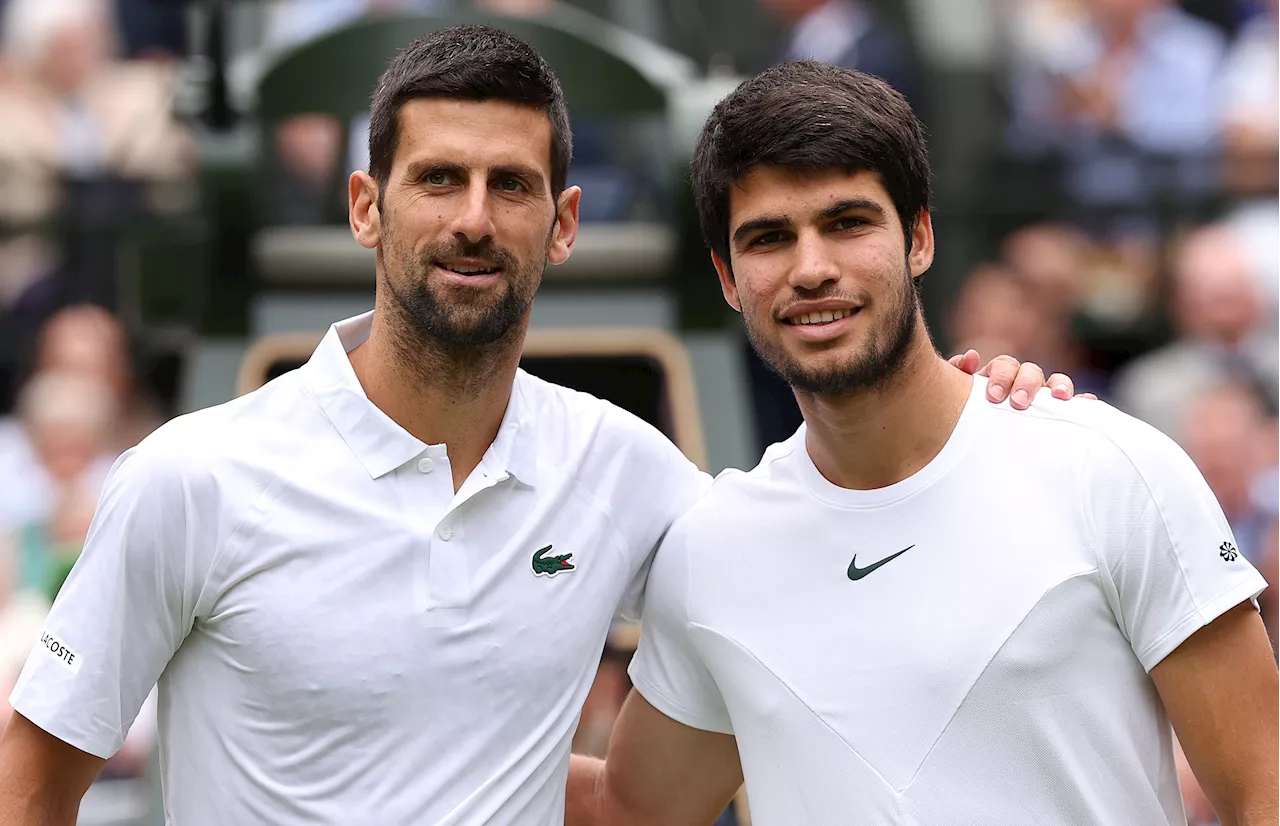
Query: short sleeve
[
  {"x": 671, "y": 484},
  {"x": 668, "y": 669},
  {"x": 124, "y": 609},
  {"x": 1166, "y": 547}
]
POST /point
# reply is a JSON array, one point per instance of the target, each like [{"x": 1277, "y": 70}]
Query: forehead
[
  {"x": 473, "y": 134},
  {"x": 773, "y": 191}
]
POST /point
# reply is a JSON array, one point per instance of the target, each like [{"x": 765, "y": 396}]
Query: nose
[
  {"x": 813, "y": 265},
  {"x": 474, "y": 221}
]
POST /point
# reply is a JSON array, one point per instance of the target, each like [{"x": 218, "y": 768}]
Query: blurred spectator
[
  {"x": 849, "y": 33},
  {"x": 1223, "y": 431},
  {"x": 66, "y": 418},
  {"x": 1125, "y": 92},
  {"x": 84, "y": 342},
  {"x": 89, "y": 340},
  {"x": 1051, "y": 260},
  {"x": 152, "y": 29},
  {"x": 1216, "y": 311},
  {"x": 73, "y": 112},
  {"x": 1251, "y": 107},
  {"x": 994, "y": 313}
]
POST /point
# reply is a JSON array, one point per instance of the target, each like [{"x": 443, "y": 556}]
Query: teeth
[
  {"x": 469, "y": 270},
  {"x": 821, "y": 317}
]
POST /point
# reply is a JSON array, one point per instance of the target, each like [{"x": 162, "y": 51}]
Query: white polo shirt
[
  {"x": 339, "y": 637},
  {"x": 967, "y": 647}
]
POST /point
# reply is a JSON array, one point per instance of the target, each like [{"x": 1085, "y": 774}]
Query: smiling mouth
[
  {"x": 820, "y": 317},
  {"x": 469, "y": 270}
]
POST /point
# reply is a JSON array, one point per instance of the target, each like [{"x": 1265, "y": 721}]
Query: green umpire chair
[{"x": 607, "y": 74}]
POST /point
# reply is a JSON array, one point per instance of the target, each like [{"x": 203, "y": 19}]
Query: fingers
[
  {"x": 1030, "y": 379},
  {"x": 1002, "y": 370},
  {"x": 968, "y": 362},
  {"x": 1061, "y": 385}
]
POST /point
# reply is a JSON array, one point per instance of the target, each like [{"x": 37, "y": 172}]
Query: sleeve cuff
[
  {"x": 1247, "y": 589},
  {"x": 48, "y": 719},
  {"x": 670, "y": 708}
]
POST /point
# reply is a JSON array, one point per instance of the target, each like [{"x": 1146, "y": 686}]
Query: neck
[
  {"x": 441, "y": 395},
  {"x": 879, "y": 436}
]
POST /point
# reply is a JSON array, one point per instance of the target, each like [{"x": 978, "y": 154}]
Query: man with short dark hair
[
  {"x": 834, "y": 628},
  {"x": 376, "y": 589}
]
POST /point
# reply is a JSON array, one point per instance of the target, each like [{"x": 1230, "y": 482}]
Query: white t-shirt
[
  {"x": 338, "y": 636},
  {"x": 968, "y": 646}
]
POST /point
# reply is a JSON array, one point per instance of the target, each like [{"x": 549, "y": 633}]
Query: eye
[
  {"x": 766, "y": 239},
  {"x": 848, "y": 223},
  {"x": 512, "y": 185},
  {"x": 436, "y": 177}
]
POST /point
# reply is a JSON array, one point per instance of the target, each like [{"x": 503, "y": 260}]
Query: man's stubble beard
[
  {"x": 456, "y": 343},
  {"x": 873, "y": 367}
]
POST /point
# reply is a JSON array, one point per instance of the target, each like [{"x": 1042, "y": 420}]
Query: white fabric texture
[
  {"x": 994, "y": 670},
  {"x": 338, "y": 637}
]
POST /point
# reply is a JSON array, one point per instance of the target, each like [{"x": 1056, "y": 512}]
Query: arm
[
  {"x": 121, "y": 614},
  {"x": 657, "y": 771},
  {"x": 1219, "y": 688},
  {"x": 42, "y": 779}
]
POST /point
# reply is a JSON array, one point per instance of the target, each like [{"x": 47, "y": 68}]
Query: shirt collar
[
  {"x": 378, "y": 442},
  {"x": 515, "y": 449}
]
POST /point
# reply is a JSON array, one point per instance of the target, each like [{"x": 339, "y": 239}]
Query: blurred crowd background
[{"x": 172, "y": 189}]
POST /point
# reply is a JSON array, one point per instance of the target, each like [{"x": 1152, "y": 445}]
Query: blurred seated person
[
  {"x": 1108, "y": 85},
  {"x": 71, "y": 111},
  {"x": 66, "y": 417},
  {"x": 84, "y": 342},
  {"x": 1223, "y": 430},
  {"x": 848, "y": 33},
  {"x": 1251, "y": 107},
  {"x": 1216, "y": 310},
  {"x": 990, "y": 313}
]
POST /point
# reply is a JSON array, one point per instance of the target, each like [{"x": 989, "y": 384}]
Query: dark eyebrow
[
  {"x": 842, "y": 207},
  {"x": 747, "y": 227},
  {"x": 417, "y": 169},
  {"x": 782, "y": 222}
]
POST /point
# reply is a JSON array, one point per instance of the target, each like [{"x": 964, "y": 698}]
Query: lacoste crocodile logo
[{"x": 551, "y": 565}]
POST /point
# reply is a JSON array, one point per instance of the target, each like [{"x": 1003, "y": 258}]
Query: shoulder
[
  {"x": 577, "y": 425},
  {"x": 224, "y": 445},
  {"x": 736, "y": 497},
  {"x": 1115, "y": 452}
]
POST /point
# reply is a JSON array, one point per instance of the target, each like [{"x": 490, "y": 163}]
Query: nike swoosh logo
[{"x": 856, "y": 573}]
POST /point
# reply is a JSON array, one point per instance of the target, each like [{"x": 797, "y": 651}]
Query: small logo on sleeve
[
  {"x": 1228, "y": 551},
  {"x": 544, "y": 565},
  {"x": 60, "y": 651}
]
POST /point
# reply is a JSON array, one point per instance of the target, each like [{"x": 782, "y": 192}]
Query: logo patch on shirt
[
  {"x": 856, "y": 573},
  {"x": 60, "y": 651},
  {"x": 544, "y": 565},
  {"x": 1228, "y": 551}
]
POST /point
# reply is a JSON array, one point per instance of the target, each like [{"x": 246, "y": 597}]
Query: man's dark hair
[
  {"x": 807, "y": 116},
  {"x": 468, "y": 63}
]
